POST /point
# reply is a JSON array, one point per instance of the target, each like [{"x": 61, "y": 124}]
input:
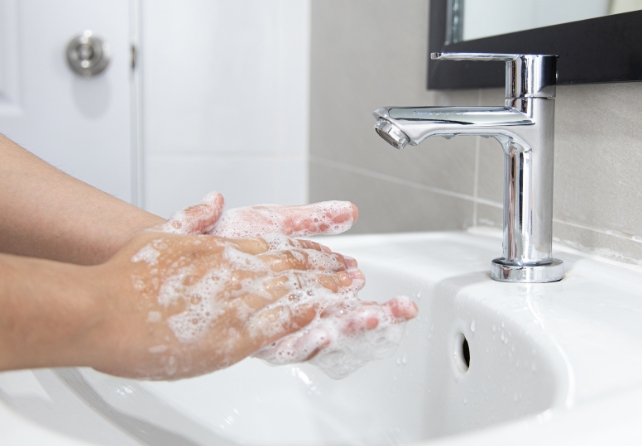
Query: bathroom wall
[
  {"x": 370, "y": 53},
  {"x": 224, "y": 101}
]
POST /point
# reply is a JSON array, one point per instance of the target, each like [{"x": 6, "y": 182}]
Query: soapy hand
[
  {"x": 346, "y": 332},
  {"x": 180, "y": 306},
  {"x": 345, "y": 336},
  {"x": 207, "y": 217}
]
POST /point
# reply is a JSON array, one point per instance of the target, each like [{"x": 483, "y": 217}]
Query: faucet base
[{"x": 551, "y": 271}]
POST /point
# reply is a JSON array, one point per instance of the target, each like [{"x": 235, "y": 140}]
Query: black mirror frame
[{"x": 604, "y": 49}]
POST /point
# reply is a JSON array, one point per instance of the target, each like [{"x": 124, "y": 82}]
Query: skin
[
  {"x": 99, "y": 316},
  {"x": 48, "y": 214},
  {"x": 71, "y": 295}
]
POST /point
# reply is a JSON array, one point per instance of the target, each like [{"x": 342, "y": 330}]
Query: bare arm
[
  {"x": 48, "y": 214},
  {"x": 165, "y": 306}
]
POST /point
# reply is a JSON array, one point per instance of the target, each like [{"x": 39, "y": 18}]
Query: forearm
[
  {"x": 48, "y": 214},
  {"x": 47, "y": 313}
]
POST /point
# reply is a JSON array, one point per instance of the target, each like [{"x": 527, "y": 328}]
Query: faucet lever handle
[
  {"x": 482, "y": 57},
  {"x": 527, "y": 75}
]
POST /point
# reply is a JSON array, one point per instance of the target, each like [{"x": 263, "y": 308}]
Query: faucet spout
[
  {"x": 400, "y": 126},
  {"x": 524, "y": 128}
]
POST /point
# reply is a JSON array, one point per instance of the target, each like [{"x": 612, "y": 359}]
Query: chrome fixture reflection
[
  {"x": 524, "y": 128},
  {"x": 88, "y": 55}
]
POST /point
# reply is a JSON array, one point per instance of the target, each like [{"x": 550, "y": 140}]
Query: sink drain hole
[{"x": 462, "y": 352}]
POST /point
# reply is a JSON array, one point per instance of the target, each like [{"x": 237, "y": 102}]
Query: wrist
[{"x": 48, "y": 311}]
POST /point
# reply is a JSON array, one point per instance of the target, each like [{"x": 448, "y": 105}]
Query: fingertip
[
  {"x": 216, "y": 202},
  {"x": 351, "y": 262},
  {"x": 403, "y": 308},
  {"x": 355, "y": 212},
  {"x": 215, "y": 198}
]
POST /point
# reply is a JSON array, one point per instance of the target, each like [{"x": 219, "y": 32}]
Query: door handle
[{"x": 88, "y": 55}]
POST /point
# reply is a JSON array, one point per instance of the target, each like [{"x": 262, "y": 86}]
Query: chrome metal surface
[
  {"x": 391, "y": 134},
  {"x": 524, "y": 128},
  {"x": 527, "y": 75},
  {"x": 88, "y": 55},
  {"x": 547, "y": 272}
]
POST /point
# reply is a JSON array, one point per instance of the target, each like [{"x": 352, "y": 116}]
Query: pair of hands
[{"x": 207, "y": 289}]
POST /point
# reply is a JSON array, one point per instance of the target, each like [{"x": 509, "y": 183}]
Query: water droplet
[{"x": 472, "y": 326}]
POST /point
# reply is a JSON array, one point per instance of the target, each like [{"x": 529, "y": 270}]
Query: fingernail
[
  {"x": 350, "y": 262},
  {"x": 356, "y": 274},
  {"x": 324, "y": 248}
]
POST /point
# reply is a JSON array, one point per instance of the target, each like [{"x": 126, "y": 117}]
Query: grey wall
[{"x": 370, "y": 53}]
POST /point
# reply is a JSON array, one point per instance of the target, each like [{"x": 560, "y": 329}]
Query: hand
[
  {"x": 346, "y": 335},
  {"x": 328, "y": 217},
  {"x": 341, "y": 326},
  {"x": 179, "y": 306}
]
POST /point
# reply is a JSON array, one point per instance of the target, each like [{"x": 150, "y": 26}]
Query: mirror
[
  {"x": 476, "y": 19},
  {"x": 596, "y": 40}
]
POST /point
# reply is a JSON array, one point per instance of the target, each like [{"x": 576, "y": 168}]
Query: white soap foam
[
  {"x": 201, "y": 301},
  {"x": 147, "y": 254}
]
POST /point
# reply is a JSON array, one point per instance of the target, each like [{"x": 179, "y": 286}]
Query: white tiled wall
[{"x": 225, "y": 101}]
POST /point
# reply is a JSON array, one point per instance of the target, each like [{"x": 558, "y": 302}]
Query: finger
[
  {"x": 351, "y": 262},
  {"x": 280, "y": 242},
  {"x": 297, "y": 347},
  {"x": 304, "y": 260},
  {"x": 252, "y": 246},
  {"x": 327, "y": 217},
  {"x": 368, "y": 315},
  {"x": 402, "y": 308},
  {"x": 277, "y": 287},
  {"x": 274, "y": 289},
  {"x": 309, "y": 244},
  {"x": 197, "y": 219},
  {"x": 335, "y": 281},
  {"x": 275, "y": 322}
]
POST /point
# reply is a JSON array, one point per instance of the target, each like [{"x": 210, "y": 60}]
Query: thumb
[{"x": 195, "y": 220}]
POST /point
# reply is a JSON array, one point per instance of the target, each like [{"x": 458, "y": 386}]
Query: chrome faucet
[{"x": 524, "y": 128}]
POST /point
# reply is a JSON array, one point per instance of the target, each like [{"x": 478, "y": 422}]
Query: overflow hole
[
  {"x": 466, "y": 352},
  {"x": 462, "y": 352}
]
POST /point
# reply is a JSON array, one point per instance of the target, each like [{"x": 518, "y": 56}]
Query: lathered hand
[
  {"x": 346, "y": 332},
  {"x": 179, "y": 306},
  {"x": 207, "y": 217}
]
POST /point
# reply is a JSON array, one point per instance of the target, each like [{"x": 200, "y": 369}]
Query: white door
[{"x": 81, "y": 125}]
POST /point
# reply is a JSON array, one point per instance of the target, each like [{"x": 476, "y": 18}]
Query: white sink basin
[{"x": 544, "y": 360}]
